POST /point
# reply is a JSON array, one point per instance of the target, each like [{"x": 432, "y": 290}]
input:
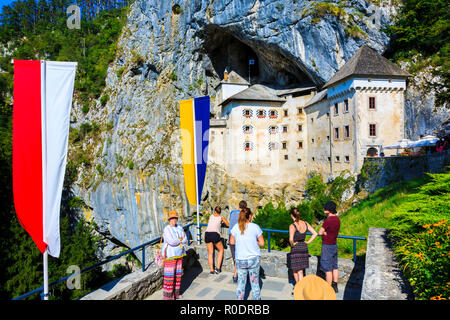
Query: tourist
[
  {"x": 313, "y": 287},
  {"x": 234, "y": 215},
  {"x": 247, "y": 236},
  {"x": 440, "y": 145},
  {"x": 329, "y": 256},
  {"x": 174, "y": 241},
  {"x": 299, "y": 247},
  {"x": 213, "y": 238}
]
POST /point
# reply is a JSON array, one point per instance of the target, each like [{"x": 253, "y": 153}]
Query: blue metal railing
[
  {"x": 153, "y": 241},
  {"x": 308, "y": 233}
]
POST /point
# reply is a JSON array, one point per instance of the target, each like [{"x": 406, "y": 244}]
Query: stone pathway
[{"x": 198, "y": 284}]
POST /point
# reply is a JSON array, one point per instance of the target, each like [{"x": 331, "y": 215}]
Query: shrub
[{"x": 104, "y": 99}]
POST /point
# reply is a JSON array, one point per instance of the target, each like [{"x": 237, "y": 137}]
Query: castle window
[
  {"x": 328, "y": 138},
  {"x": 329, "y": 159},
  {"x": 371, "y": 103},
  {"x": 299, "y": 160},
  {"x": 300, "y": 127},
  {"x": 372, "y": 130},
  {"x": 247, "y": 129},
  {"x": 286, "y": 157},
  {"x": 300, "y": 144},
  {"x": 338, "y": 159},
  {"x": 284, "y": 145},
  {"x": 328, "y": 115},
  {"x": 272, "y": 146},
  {"x": 273, "y": 114},
  {"x": 336, "y": 133},
  {"x": 336, "y": 109},
  {"x": 347, "y": 158},
  {"x": 313, "y": 159},
  {"x": 247, "y": 113},
  {"x": 345, "y": 105},
  {"x": 312, "y": 140},
  {"x": 285, "y": 128},
  {"x": 299, "y": 110},
  {"x": 273, "y": 129},
  {"x": 346, "y": 132},
  {"x": 285, "y": 112},
  {"x": 261, "y": 113},
  {"x": 248, "y": 146}
]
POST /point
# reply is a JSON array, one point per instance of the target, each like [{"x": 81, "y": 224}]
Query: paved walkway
[{"x": 198, "y": 284}]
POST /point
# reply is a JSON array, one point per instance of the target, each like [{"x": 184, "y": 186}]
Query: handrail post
[
  {"x": 268, "y": 240},
  {"x": 188, "y": 240},
  {"x": 143, "y": 258},
  {"x": 354, "y": 250}
]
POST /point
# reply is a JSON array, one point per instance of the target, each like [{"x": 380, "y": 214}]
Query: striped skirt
[
  {"x": 299, "y": 257},
  {"x": 172, "y": 279}
]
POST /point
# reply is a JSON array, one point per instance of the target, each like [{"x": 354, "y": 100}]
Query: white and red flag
[{"x": 41, "y": 116}]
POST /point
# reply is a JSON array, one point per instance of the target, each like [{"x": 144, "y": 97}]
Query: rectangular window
[
  {"x": 372, "y": 103},
  {"x": 312, "y": 140},
  {"x": 300, "y": 144},
  {"x": 336, "y": 133},
  {"x": 336, "y": 109},
  {"x": 299, "y": 160},
  {"x": 300, "y": 110},
  {"x": 372, "y": 130},
  {"x": 284, "y": 145},
  {"x": 285, "y": 112},
  {"x": 285, "y": 157},
  {"x": 338, "y": 159},
  {"x": 347, "y": 132},
  {"x": 345, "y": 105},
  {"x": 328, "y": 138},
  {"x": 300, "y": 127},
  {"x": 285, "y": 129},
  {"x": 347, "y": 158}
]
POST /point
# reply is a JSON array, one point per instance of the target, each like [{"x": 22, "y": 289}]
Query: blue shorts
[{"x": 329, "y": 257}]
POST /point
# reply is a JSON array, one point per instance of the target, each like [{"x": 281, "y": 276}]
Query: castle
[{"x": 271, "y": 136}]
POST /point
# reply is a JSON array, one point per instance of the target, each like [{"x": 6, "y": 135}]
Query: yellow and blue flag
[{"x": 194, "y": 123}]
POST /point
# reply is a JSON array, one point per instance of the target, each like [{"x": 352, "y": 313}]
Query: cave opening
[{"x": 270, "y": 67}]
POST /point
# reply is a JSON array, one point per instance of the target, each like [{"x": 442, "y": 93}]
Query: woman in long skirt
[{"x": 174, "y": 241}]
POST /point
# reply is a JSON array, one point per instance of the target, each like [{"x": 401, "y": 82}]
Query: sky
[{"x": 3, "y": 3}]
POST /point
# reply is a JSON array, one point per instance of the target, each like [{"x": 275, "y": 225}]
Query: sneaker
[
  {"x": 212, "y": 272},
  {"x": 217, "y": 270}
]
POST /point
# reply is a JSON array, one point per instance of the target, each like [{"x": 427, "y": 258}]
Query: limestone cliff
[{"x": 172, "y": 50}]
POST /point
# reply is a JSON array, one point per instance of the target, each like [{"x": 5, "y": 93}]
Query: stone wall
[
  {"x": 134, "y": 286},
  {"x": 383, "y": 279},
  {"x": 378, "y": 172}
]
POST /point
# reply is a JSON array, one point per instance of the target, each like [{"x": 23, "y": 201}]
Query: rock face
[{"x": 174, "y": 50}]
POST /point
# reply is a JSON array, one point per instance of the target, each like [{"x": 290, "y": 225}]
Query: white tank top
[{"x": 214, "y": 224}]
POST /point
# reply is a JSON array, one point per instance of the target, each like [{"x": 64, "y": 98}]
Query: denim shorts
[{"x": 329, "y": 257}]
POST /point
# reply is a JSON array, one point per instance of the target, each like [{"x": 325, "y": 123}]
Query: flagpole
[
  {"x": 196, "y": 179},
  {"x": 45, "y": 255}
]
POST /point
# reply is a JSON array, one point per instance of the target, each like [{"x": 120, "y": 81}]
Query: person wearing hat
[
  {"x": 329, "y": 255},
  {"x": 174, "y": 250},
  {"x": 313, "y": 287}
]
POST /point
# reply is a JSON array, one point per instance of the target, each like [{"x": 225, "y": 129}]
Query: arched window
[{"x": 372, "y": 152}]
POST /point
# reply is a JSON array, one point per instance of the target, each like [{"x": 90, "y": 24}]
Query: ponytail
[
  {"x": 244, "y": 216},
  {"x": 295, "y": 213}
]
